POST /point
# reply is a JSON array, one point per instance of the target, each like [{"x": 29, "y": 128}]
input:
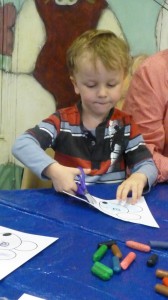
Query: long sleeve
[
  {"x": 27, "y": 150},
  {"x": 147, "y": 101},
  {"x": 149, "y": 169}
]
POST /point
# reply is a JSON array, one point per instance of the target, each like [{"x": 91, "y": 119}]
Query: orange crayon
[
  {"x": 128, "y": 260},
  {"x": 116, "y": 251},
  {"x": 165, "y": 281},
  {"x": 138, "y": 246}
]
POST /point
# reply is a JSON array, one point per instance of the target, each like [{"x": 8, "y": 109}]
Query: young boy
[{"x": 91, "y": 134}]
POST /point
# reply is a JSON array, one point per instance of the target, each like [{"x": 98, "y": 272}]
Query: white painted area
[
  {"x": 109, "y": 21},
  {"x": 23, "y": 101},
  {"x": 65, "y": 2},
  {"x": 30, "y": 36},
  {"x": 25, "y": 104},
  {"x": 162, "y": 28}
]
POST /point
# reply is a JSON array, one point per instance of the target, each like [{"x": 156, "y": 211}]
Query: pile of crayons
[
  {"x": 162, "y": 288},
  {"x": 119, "y": 263}
]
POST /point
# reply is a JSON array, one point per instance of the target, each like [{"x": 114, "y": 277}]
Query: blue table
[{"x": 62, "y": 271}]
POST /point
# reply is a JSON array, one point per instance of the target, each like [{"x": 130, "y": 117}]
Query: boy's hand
[
  {"x": 135, "y": 184},
  {"x": 63, "y": 177}
]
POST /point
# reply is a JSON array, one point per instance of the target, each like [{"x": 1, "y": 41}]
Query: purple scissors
[{"x": 82, "y": 190}]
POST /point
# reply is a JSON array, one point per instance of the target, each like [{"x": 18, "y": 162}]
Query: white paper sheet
[
  {"x": 17, "y": 247},
  {"x": 29, "y": 297},
  {"x": 136, "y": 213}
]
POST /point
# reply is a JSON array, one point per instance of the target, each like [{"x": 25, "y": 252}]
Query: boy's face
[{"x": 99, "y": 87}]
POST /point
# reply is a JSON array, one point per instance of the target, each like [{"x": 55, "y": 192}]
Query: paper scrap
[{"x": 29, "y": 297}]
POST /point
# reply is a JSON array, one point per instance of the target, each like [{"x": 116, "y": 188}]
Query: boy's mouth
[{"x": 101, "y": 103}]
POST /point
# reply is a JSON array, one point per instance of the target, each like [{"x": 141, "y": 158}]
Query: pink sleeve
[
  {"x": 146, "y": 101},
  {"x": 161, "y": 162}
]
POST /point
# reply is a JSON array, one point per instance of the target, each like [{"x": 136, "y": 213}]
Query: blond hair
[{"x": 100, "y": 44}]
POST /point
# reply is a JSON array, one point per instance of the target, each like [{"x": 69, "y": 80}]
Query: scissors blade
[
  {"x": 82, "y": 190},
  {"x": 89, "y": 197}
]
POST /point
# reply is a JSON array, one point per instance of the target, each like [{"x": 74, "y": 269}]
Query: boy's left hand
[{"x": 135, "y": 184}]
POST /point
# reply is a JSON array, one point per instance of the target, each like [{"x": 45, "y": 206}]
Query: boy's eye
[
  {"x": 112, "y": 84},
  {"x": 91, "y": 85}
]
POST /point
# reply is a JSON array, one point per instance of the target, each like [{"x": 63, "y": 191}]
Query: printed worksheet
[
  {"x": 17, "y": 247},
  {"x": 124, "y": 210}
]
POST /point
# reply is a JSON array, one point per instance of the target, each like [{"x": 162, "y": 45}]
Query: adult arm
[{"x": 146, "y": 101}]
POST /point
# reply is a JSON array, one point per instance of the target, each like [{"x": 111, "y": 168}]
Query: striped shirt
[{"x": 115, "y": 149}]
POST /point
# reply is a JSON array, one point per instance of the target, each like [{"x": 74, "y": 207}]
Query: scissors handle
[
  {"x": 82, "y": 190},
  {"x": 81, "y": 184}
]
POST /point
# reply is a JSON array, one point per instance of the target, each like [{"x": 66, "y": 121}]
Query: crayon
[
  {"x": 159, "y": 244},
  {"x": 165, "y": 281},
  {"x": 161, "y": 289},
  {"x": 108, "y": 243},
  {"x": 116, "y": 264},
  {"x": 152, "y": 260},
  {"x": 100, "y": 252},
  {"x": 116, "y": 251},
  {"x": 138, "y": 246},
  {"x": 127, "y": 261},
  {"x": 161, "y": 273},
  {"x": 101, "y": 271}
]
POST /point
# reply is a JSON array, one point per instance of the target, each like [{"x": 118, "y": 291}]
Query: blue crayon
[
  {"x": 116, "y": 264},
  {"x": 158, "y": 244}
]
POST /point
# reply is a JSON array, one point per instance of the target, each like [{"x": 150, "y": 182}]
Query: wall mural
[
  {"x": 34, "y": 37},
  {"x": 60, "y": 29},
  {"x": 47, "y": 50}
]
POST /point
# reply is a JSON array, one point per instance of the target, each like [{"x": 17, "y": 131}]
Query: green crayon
[{"x": 101, "y": 271}]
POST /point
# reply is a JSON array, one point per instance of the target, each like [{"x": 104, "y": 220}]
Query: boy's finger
[
  {"x": 122, "y": 192},
  {"x": 87, "y": 171},
  {"x": 125, "y": 192},
  {"x": 134, "y": 194}
]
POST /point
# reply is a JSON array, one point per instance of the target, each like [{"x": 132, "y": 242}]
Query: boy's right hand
[{"x": 63, "y": 177}]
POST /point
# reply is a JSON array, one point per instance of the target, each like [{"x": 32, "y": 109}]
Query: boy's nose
[{"x": 102, "y": 92}]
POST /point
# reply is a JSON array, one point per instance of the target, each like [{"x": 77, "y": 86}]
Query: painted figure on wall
[{"x": 63, "y": 23}]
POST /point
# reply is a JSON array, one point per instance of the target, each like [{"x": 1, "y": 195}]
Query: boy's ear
[{"x": 73, "y": 80}]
